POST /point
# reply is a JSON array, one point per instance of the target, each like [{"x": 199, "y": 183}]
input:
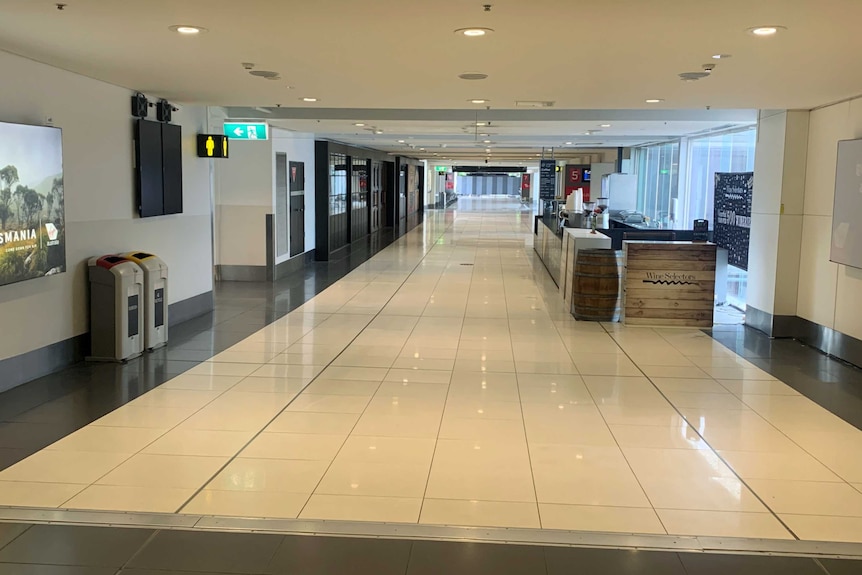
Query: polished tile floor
[{"x": 442, "y": 383}]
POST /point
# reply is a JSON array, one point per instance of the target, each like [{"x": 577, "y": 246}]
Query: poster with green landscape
[{"x": 32, "y": 201}]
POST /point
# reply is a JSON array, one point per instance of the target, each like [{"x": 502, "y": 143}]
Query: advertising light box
[{"x": 32, "y": 217}]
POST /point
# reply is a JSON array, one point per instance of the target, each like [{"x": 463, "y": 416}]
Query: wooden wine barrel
[{"x": 597, "y": 289}]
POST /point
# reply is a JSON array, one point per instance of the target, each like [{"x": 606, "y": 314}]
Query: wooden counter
[{"x": 669, "y": 283}]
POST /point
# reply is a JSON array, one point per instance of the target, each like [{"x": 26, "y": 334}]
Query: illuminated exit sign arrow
[{"x": 246, "y": 130}]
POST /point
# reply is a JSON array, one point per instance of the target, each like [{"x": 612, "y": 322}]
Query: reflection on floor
[
  {"x": 56, "y": 549},
  {"x": 442, "y": 383}
]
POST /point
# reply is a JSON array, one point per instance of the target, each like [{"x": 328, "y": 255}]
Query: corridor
[{"x": 443, "y": 383}]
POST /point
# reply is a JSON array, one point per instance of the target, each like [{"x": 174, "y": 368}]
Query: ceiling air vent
[
  {"x": 269, "y": 75},
  {"x": 534, "y": 104},
  {"x": 692, "y": 76},
  {"x": 472, "y": 76}
]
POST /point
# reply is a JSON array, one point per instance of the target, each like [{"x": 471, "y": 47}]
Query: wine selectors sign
[
  {"x": 669, "y": 283},
  {"x": 733, "y": 195},
  {"x": 32, "y": 203}
]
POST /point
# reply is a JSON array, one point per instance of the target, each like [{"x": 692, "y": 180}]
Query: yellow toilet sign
[{"x": 212, "y": 146}]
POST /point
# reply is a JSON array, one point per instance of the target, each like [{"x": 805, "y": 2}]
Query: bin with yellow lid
[{"x": 155, "y": 298}]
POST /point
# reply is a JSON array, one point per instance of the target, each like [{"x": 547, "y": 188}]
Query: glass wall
[
  {"x": 658, "y": 181},
  {"x": 337, "y": 201},
  {"x": 672, "y": 197},
  {"x": 676, "y": 185},
  {"x": 359, "y": 199}
]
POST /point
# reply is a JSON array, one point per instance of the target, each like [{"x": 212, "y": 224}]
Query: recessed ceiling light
[
  {"x": 654, "y": 101},
  {"x": 486, "y": 141},
  {"x": 720, "y": 56},
  {"x": 421, "y": 149},
  {"x": 480, "y": 124},
  {"x": 568, "y": 143},
  {"x": 187, "y": 30},
  {"x": 378, "y": 131},
  {"x": 309, "y": 99},
  {"x": 401, "y": 141},
  {"x": 473, "y": 32},
  {"x": 605, "y": 125},
  {"x": 479, "y": 101},
  {"x": 765, "y": 30},
  {"x": 358, "y": 124}
]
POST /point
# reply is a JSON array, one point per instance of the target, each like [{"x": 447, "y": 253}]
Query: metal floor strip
[{"x": 512, "y": 536}]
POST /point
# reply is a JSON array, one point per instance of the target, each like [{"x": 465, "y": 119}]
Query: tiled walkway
[{"x": 443, "y": 383}]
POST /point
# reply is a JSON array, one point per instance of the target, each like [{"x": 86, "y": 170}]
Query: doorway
[
  {"x": 297, "y": 208},
  {"x": 376, "y": 193}
]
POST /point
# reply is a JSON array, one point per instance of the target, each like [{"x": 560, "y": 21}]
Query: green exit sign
[
  {"x": 441, "y": 169},
  {"x": 246, "y": 130}
]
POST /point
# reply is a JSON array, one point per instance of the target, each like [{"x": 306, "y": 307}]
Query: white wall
[
  {"x": 100, "y": 201},
  {"x": 829, "y": 294},
  {"x": 243, "y": 197},
  {"x": 298, "y": 147},
  {"x": 776, "y": 218}
]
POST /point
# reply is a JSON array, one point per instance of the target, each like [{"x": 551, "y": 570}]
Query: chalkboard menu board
[
  {"x": 547, "y": 179},
  {"x": 733, "y": 193}
]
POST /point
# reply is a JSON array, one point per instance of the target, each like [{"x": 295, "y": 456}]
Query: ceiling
[
  {"x": 447, "y": 136},
  {"x": 394, "y": 64}
]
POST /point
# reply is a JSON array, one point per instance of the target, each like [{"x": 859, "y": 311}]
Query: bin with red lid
[{"x": 116, "y": 309}]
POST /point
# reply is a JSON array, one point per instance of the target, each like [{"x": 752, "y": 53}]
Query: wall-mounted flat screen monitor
[
  {"x": 847, "y": 212},
  {"x": 32, "y": 216},
  {"x": 158, "y": 168},
  {"x": 587, "y": 173}
]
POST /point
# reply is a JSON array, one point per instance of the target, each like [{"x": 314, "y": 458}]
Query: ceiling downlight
[
  {"x": 187, "y": 29},
  {"x": 474, "y": 32},
  {"x": 765, "y": 31}
]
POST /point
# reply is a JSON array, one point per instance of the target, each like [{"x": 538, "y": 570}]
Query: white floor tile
[
  {"x": 199, "y": 442},
  {"x": 127, "y": 498},
  {"x": 29, "y": 494},
  {"x": 395, "y": 450},
  {"x": 480, "y": 513},
  {"x": 78, "y": 467},
  {"x": 723, "y": 524},
  {"x": 270, "y": 475},
  {"x": 356, "y": 477},
  {"x": 315, "y": 423},
  {"x": 202, "y": 382},
  {"x": 808, "y": 497},
  {"x": 362, "y": 508},
  {"x": 268, "y": 504},
  {"x": 825, "y": 528},
  {"x": 796, "y": 466},
  {"x": 597, "y": 518},
  {"x": 294, "y": 446},
  {"x": 107, "y": 439},
  {"x": 172, "y": 471}
]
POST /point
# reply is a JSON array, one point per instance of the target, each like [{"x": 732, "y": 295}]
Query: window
[
  {"x": 658, "y": 181},
  {"x": 728, "y": 152}
]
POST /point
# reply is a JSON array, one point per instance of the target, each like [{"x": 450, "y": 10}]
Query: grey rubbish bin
[
  {"x": 116, "y": 310},
  {"x": 155, "y": 298}
]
